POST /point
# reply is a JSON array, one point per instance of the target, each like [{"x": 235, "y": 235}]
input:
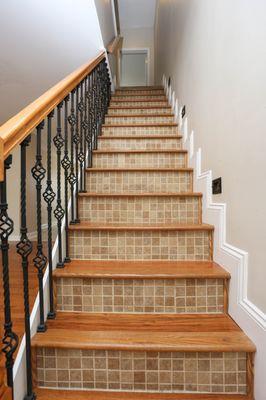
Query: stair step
[
  {"x": 131, "y": 332},
  {"x": 143, "y": 96},
  {"x": 86, "y": 226},
  {"x": 145, "y": 119},
  {"x": 147, "y": 353},
  {"x": 140, "y": 129},
  {"x": 141, "y": 242},
  {"x": 136, "y": 142},
  {"x": 51, "y": 394},
  {"x": 145, "y": 87},
  {"x": 141, "y": 287},
  {"x": 111, "y": 158},
  {"x": 139, "y": 103},
  {"x": 141, "y": 91},
  {"x": 115, "y": 110},
  {"x": 142, "y": 270},
  {"x": 130, "y": 208},
  {"x": 140, "y": 180}
]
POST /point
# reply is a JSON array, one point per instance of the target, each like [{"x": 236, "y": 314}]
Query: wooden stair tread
[
  {"x": 129, "y": 194},
  {"x": 148, "y": 100},
  {"x": 139, "y": 169},
  {"x": 141, "y": 125},
  {"x": 51, "y": 394},
  {"x": 154, "y": 137},
  {"x": 140, "y": 151},
  {"x": 145, "y": 332},
  {"x": 140, "y": 88},
  {"x": 141, "y": 270},
  {"x": 140, "y": 227}
]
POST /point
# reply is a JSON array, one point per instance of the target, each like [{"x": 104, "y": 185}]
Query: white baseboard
[{"x": 248, "y": 316}]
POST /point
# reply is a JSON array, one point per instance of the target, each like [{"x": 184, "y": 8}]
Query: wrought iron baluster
[
  {"x": 76, "y": 140},
  {"x": 94, "y": 106},
  {"x": 66, "y": 165},
  {"x": 86, "y": 131},
  {"x": 90, "y": 113},
  {"x": 59, "y": 211},
  {"x": 10, "y": 339},
  {"x": 40, "y": 260},
  {"x": 24, "y": 249},
  {"x": 81, "y": 156},
  {"x": 71, "y": 177},
  {"x": 49, "y": 196}
]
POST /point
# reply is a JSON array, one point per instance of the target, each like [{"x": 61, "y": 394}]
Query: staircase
[{"x": 142, "y": 309}]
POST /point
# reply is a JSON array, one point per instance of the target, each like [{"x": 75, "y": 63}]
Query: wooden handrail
[
  {"x": 17, "y": 128},
  {"x": 115, "y": 45}
]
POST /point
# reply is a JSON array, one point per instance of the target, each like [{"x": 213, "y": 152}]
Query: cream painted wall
[
  {"x": 41, "y": 42},
  {"x": 214, "y": 51},
  {"x": 141, "y": 38},
  {"x": 106, "y": 20}
]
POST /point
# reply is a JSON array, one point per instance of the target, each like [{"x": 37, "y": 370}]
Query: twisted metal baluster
[
  {"x": 86, "y": 130},
  {"x": 71, "y": 177},
  {"x": 66, "y": 165},
  {"x": 49, "y": 196},
  {"x": 76, "y": 140},
  {"x": 91, "y": 117},
  {"x": 24, "y": 249},
  {"x": 10, "y": 339},
  {"x": 81, "y": 156},
  {"x": 40, "y": 260},
  {"x": 59, "y": 211},
  {"x": 94, "y": 106}
]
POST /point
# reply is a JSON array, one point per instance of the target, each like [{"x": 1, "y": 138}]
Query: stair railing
[{"x": 67, "y": 120}]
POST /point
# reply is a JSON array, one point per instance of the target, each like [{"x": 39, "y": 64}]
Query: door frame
[{"x": 142, "y": 50}]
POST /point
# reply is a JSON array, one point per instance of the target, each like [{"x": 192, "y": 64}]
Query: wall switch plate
[
  {"x": 183, "y": 113},
  {"x": 217, "y": 186}
]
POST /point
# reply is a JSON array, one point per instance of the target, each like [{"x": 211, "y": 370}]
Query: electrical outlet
[
  {"x": 183, "y": 113},
  {"x": 217, "y": 186}
]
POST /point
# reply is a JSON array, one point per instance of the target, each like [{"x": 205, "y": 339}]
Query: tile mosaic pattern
[
  {"x": 134, "y": 210},
  {"x": 149, "y": 130},
  {"x": 140, "y": 245},
  {"x": 140, "y": 160},
  {"x": 136, "y": 144},
  {"x": 139, "y": 111},
  {"x": 139, "y": 103},
  {"x": 140, "y": 295},
  {"x": 142, "y": 371},
  {"x": 138, "y": 120},
  {"x": 139, "y": 181},
  {"x": 138, "y": 97},
  {"x": 158, "y": 92}
]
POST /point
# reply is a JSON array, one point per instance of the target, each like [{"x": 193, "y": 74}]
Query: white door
[{"x": 134, "y": 68}]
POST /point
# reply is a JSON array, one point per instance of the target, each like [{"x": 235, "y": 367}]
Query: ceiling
[{"x": 137, "y": 13}]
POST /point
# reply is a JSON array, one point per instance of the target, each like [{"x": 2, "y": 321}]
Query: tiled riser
[
  {"x": 140, "y": 160},
  {"x": 140, "y": 111},
  {"x": 164, "y": 130},
  {"x": 140, "y": 296},
  {"x": 141, "y": 92},
  {"x": 139, "y": 103},
  {"x": 139, "y": 144},
  {"x": 139, "y": 182},
  {"x": 138, "y": 120},
  {"x": 142, "y": 371},
  {"x": 138, "y": 97},
  {"x": 140, "y": 245},
  {"x": 146, "y": 210}
]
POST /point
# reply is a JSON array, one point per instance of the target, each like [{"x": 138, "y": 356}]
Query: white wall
[
  {"x": 141, "y": 38},
  {"x": 106, "y": 20},
  {"x": 214, "y": 51},
  {"x": 41, "y": 43}
]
